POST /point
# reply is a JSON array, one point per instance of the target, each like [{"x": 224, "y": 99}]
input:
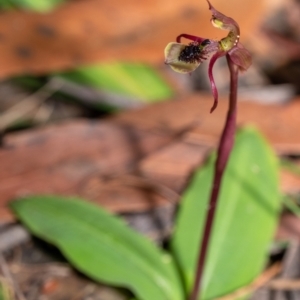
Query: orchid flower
[{"x": 186, "y": 58}]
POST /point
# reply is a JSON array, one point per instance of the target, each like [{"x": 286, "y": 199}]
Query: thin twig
[
  {"x": 284, "y": 284},
  {"x": 159, "y": 188},
  {"x": 135, "y": 181},
  {"x": 7, "y": 274},
  {"x": 30, "y": 103}
]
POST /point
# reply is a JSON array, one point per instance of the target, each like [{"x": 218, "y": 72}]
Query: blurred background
[
  {"x": 89, "y": 58},
  {"x": 88, "y": 108}
]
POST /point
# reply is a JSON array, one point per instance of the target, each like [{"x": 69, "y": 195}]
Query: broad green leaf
[
  {"x": 101, "y": 245},
  {"x": 245, "y": 219},
  {"x": 129, "y": 79}
]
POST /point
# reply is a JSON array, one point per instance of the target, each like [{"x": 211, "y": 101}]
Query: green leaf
[
  {"x": 129, "y": 79},
  {"x": 101, "y": 245},
  {"x": 5, "y": 4},
  {"x": 245, "y": 219},
  {"x": 35, "y": 5},
  {"x": 5, "y": 291}
]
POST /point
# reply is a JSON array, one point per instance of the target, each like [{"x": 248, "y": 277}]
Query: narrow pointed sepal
[
  {"x": 241, "y": 57},
  {"x": 173, "y": 52},
  {"x": 211, "y": 78}
]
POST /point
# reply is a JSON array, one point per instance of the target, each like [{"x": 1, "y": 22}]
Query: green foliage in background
[
  {"x": 106, "y": 87},
  {"x": 136, "y": 80},
  {"x": 139, "y": 82},
  {"x": 5, "y": 291},
  {"x": 104, "y": 248},
  {"x": 34, "y": 5}
]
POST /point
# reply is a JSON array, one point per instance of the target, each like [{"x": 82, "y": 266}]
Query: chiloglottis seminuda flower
[{"x": 186, "y": 58}]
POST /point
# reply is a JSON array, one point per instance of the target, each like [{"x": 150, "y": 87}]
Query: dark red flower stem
[{"x": 224, "y": 150}]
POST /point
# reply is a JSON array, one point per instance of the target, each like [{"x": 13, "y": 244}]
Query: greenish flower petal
[{"x": 223, "y": 22}]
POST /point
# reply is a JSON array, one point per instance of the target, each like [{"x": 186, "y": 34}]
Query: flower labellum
[{"x": 186, "y": 58}]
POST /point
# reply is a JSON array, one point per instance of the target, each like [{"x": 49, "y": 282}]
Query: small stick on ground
[
  {"x": 29, "y": 104},
  {"x": 8, "y": 276}
]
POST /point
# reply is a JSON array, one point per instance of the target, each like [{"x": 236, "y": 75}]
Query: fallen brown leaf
[
  {"x": 86, "y": 31},
  {"x": 58, "y": 159},
  {"x": 161, "y": 144}
]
